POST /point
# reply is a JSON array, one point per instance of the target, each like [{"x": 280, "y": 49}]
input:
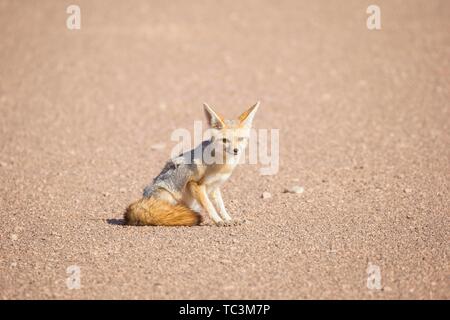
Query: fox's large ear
[
  {"x": 214, "y": 120},
  {"x": 246, "y": 118}
]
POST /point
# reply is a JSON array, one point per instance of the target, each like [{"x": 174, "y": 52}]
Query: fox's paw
[
  {"x": 238, "y": 222},
  {"x": 222, "y": 224},
  {"x": 230, "y": 223}
]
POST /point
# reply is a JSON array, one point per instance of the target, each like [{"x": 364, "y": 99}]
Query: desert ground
[{"x": 363, "y": 115}]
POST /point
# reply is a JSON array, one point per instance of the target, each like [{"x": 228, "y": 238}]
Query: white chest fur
[{"x": 216, "y": 180}]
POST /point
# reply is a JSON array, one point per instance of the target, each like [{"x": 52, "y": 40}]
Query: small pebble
[
  {"x": 122, "y": 190},
  {"x": 158, "y": 146},
  {"x": 14, "y": 237},
  {"x": 266, "y": 195},
  {"x": 407, "y": 190},
  {"x": 294, "y": 189}
]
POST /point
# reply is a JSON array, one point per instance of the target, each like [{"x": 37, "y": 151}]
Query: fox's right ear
[
  {"x": 246, "y": 118},
  {"x": 214, "y": 120}
]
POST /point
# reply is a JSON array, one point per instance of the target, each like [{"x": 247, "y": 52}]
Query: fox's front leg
[
  {"x": 199, "y": 193},
  {"x": 216, "y": 197}
]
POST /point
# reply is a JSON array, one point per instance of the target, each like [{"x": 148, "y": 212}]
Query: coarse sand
[{"x": 364, "y": 133}]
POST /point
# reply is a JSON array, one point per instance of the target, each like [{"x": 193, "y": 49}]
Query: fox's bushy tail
[{"x": 156, "y": 212}]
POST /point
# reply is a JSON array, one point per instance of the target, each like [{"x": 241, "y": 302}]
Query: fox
[{"x": 191, "y": 182}]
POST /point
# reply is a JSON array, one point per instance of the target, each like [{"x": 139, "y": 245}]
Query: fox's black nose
[{"x": 236, "y": 150}]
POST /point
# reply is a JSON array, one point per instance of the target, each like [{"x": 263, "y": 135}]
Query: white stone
[
  {"x": 266, "y": 195},
  {"x": 158, "y": 146},
  {"x": 295, "y": 189}
]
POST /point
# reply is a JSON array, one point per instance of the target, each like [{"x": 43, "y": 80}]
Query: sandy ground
[{"x": 364, "y": 128}]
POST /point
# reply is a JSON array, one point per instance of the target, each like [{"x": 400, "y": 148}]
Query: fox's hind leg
[
  {"x": 189, "y": 201},
  {"x": 199, "y": 194},
  {"x": 165, "y": 195}
]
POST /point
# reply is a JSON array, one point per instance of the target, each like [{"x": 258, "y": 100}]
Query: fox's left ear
[
  {"x": 214, "y": 120},
  {"x": 246, "y": 118}
]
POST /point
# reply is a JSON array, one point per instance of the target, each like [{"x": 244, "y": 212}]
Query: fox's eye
[{"x": 225, "y": 140}]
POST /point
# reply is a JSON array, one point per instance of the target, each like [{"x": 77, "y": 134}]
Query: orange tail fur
[{"x": 156, "y": 212}]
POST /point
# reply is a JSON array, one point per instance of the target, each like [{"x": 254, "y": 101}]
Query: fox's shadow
[{"x": 116, "y": 222}]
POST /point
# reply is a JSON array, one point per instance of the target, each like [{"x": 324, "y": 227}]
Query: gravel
[{"x": 363, "y": 116}]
